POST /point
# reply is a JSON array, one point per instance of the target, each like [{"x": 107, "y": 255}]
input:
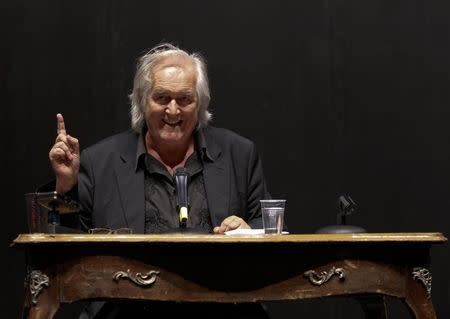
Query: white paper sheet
[{"x": 248, "y": 232}]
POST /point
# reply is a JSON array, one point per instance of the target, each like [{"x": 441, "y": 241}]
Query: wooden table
[{"x": 68, "y": 268}]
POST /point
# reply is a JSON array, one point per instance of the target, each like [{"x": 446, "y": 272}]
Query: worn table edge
[{"x": 26, "y": 239}]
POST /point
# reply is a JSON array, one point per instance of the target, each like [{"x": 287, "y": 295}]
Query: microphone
[{"x": 181, "y": 178}]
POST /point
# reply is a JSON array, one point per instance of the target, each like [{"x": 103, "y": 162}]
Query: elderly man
[{"x": 127, "y": 180}]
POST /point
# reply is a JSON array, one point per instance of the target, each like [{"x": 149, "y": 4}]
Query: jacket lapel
[
  {"x": 130, "y": 184},
  {"x": 216, "y": 177}
]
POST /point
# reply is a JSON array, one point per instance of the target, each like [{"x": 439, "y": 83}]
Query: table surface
[{"x": 431, "y": 238}]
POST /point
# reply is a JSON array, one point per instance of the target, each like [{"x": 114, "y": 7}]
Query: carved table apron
[{"x": 214, "y": 268}]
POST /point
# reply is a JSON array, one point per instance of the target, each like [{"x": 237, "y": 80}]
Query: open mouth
[{"x": 173, "y": 123}]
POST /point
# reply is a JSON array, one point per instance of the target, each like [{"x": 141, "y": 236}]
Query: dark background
[{"x": 340, "y": 97}]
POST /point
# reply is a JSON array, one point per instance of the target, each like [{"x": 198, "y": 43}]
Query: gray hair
[{"x": 143, "y": 84}]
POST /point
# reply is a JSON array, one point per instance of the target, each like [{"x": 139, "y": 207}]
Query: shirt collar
[
  {"x": 200, "y": 144},
  {"x": 141, "y": 150}
]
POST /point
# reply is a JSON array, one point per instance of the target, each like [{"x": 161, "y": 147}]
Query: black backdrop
[{"x": 340, "y": 97}]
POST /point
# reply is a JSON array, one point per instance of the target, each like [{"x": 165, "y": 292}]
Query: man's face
[{"x": 171, "y": 113}]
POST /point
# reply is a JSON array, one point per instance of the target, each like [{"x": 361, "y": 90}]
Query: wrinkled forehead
[{"x": 173, "y": 64}]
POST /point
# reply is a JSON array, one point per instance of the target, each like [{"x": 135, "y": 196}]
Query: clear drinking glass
[{"x": 273, "y": 215}]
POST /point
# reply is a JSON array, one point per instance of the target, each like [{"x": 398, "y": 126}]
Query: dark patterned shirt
[{"x": 160, "y": 193}]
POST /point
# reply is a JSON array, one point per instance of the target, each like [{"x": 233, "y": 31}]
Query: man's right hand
[{"x": 65, "y": 158}]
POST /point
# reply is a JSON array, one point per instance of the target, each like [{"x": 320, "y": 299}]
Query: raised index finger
[{"x": 60, "y": 126}]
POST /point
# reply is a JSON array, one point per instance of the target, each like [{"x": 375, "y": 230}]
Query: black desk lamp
[{"x": 346, "y": 207}]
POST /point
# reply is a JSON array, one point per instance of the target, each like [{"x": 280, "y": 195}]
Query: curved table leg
[
  {"x": 44, "y": 312},
  {"x": 418, "y": 303},
  {"x": 46, "y": 303},
  {"x": 45, "y": 309},
  {"x": 418, "y": 299}
]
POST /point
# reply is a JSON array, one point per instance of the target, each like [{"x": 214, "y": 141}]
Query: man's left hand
[{"x": 230, "y": 223}]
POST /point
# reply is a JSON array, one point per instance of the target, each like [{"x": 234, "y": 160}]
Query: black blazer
[{"x": 111, "y": 189}]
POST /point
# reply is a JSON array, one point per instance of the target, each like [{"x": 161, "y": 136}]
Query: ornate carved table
[{"x": 68, "y": 268}]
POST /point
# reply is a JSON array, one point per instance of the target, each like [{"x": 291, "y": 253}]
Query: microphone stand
[{"x": 181, "y": 179}]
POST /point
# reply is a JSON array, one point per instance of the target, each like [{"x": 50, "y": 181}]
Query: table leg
[
  {"x": 42, "y": 300},
  {"x": 418, "y": 303},
  {"x": 45, "y": 309}
]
